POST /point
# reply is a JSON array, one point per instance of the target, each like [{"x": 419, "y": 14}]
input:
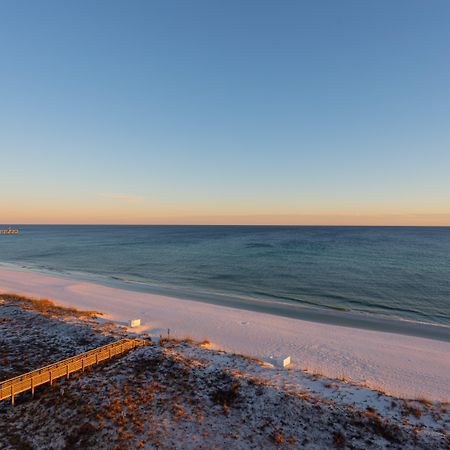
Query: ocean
[{"x": 394, "y": 272}]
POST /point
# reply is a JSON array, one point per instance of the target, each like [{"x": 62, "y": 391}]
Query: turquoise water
[{"x": 401, "y": 272}]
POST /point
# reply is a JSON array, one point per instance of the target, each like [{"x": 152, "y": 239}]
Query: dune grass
[{"x": 46, "y": 307}]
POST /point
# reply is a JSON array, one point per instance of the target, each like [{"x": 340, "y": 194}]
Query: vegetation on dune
[{"x": 47, "y": 307}]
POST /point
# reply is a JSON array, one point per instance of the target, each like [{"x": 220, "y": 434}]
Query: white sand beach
[{"x": 405, "y": 366}]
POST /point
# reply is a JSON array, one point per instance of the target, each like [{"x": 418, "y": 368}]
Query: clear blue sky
[{"x": 221, "y": 112}]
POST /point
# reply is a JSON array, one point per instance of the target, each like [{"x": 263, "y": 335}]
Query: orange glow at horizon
[
  {"x": 133, "y": 210},
  {"x": 262, "y": 219}
]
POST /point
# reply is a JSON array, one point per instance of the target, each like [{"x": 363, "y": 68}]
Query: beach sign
[
  {"x": 279, "y": 361},
  {"x": 133, "y": 323}
]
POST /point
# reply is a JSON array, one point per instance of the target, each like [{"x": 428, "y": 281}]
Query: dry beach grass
[{"x": 183, "y": 394}]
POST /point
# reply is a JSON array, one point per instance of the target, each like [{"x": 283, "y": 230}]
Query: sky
[{"x": 225, "y": 112}]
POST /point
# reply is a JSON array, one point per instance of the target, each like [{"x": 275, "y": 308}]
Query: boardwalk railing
[{"x": 30, "y": 380}]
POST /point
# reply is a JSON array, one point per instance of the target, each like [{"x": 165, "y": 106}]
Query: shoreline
[
  {"x": 277, "y": 307},
  {"x": 407, "y": 366}
]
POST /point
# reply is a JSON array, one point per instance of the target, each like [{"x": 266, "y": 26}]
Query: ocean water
[{"x": 401, "y": 272}]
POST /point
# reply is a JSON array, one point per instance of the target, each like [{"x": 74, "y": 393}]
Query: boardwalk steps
[{"x": 30, "y": 380}]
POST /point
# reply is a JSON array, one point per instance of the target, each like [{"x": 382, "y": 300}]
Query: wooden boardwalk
[{"x": 30, "y": 380}]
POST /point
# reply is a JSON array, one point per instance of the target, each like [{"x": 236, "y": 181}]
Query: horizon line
[{"x": 224, "y": 225}]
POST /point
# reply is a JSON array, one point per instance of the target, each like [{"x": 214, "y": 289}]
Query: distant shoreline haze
[{"x": 399, "y": 220}]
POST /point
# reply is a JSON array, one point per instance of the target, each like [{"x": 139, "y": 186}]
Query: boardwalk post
[
  {"x": 51, "y": 378},
  {"x": 12, "y": 395},
  {"x": 32, "y": 386},
  {"x": 67, "y": 371},
  {"x": 82, "y": 365}
]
